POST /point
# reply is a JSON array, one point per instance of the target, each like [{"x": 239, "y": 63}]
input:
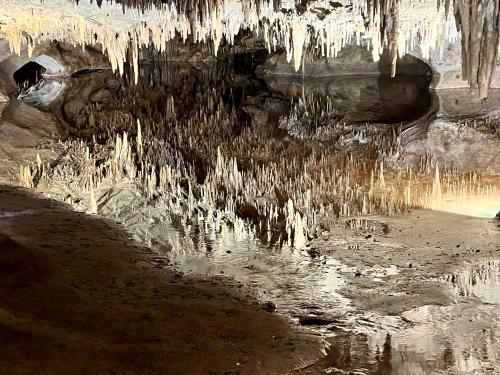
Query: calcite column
[
  {"x": 479, "y": 23},
  {"x": 384, "y": 15}
]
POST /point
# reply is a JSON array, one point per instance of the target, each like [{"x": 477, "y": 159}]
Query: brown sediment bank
[{"x": 78, "y": 296}]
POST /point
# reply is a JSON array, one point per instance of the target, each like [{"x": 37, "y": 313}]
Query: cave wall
[
  {"x": 351, "y": 60},
  {"x": 445, "y": 63}
]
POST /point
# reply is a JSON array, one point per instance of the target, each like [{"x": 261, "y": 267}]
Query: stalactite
[
  {"x": 398, "y": 25},
  {"x": 479, "y": 23},
  {"x": 393, "y": 38}
]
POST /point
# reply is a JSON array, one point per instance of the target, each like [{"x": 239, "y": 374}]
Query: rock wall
[{"x": 352, "y": 60}]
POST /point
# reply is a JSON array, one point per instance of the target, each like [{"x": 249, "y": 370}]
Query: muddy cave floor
[{"x": 78, "y": 295}]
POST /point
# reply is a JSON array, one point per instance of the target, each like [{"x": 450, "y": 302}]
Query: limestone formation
[{"x": 399, "y": 25}]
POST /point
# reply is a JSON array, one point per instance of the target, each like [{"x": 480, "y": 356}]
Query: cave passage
[{"x": 29, "y": 74}]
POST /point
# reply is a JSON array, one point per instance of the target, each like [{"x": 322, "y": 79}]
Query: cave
[
  {"x": 29, "y": 74},
  {"x": 249, "y": 187}
]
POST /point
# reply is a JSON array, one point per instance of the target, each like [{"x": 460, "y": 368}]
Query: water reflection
[
  {"x": 370, "y": 98},
  {"x": 462, "y": 338},
  {"x": 301, "y": 287},
  {"x": 459, "y": 339},
  {"x": 308, "y": 287},
  {"x": 43, "y": 93}
]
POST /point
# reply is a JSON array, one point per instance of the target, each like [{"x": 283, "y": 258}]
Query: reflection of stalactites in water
[
  {"x": 384, "y": 359},
  {"x": 194, "y": 157},
  {"x": 481, "y": 281},
  {"x": 436, "y": 191}
]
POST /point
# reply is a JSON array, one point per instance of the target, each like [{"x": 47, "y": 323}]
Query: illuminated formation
[
  {"x": 284, "y": 196},
  {"x": 320, "y": 27},
  {"x": 306, "y": 30}
]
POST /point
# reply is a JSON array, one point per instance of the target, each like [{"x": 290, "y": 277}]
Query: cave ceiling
[{"x": 315, "y": 27}]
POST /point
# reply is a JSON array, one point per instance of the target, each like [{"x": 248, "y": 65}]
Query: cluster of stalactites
[
  {"x": 479, "y": 22},
  {"x": 399, "y": 25},
  {"x": 196, "y": 9}
]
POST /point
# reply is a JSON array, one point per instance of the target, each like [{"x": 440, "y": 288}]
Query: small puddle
[{"x": 303, "y": 288}]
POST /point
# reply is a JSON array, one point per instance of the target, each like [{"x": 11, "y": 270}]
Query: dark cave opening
[{"x": 29, "y": 75}]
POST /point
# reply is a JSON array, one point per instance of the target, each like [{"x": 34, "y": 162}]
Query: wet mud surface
[
  {"x": 79, "y": 296},
  {"x": 415, "y": 294}
]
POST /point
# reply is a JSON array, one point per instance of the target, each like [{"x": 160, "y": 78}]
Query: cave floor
[{"x": 78, "y": 296}]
